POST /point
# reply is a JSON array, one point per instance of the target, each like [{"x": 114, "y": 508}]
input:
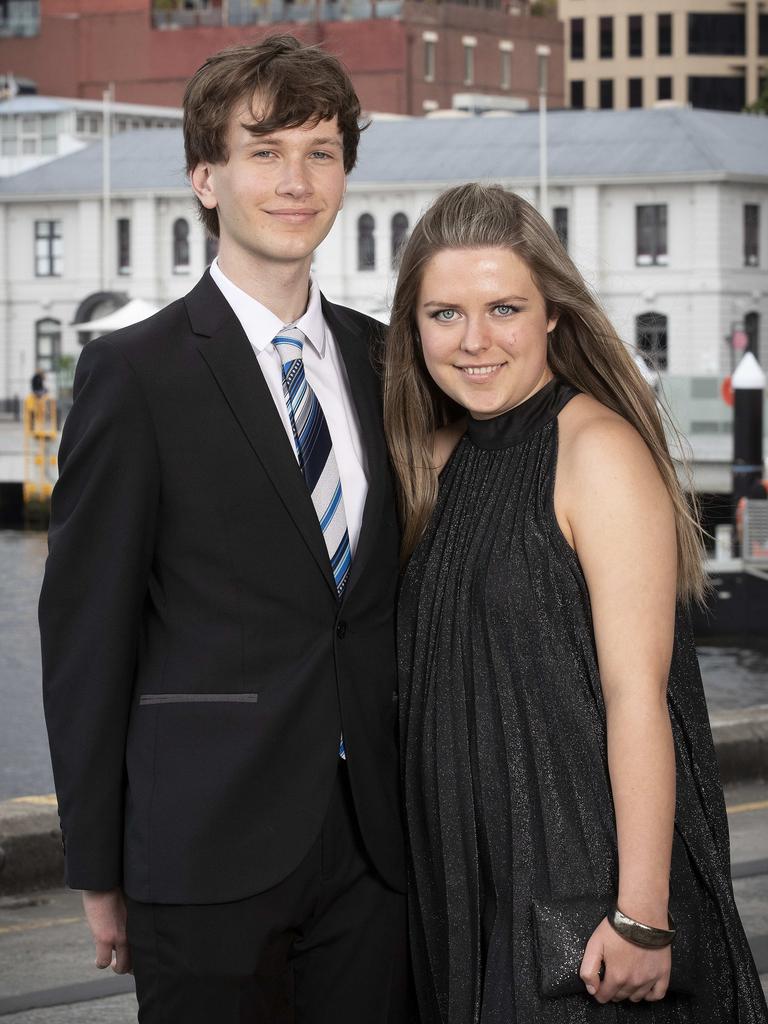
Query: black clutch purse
[{"x": 562, "y": 929}]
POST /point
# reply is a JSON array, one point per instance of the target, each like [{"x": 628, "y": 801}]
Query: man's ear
[{"x": 202, "y": 183}]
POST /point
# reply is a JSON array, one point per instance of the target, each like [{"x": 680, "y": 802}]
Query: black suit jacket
[{"x": 197, "y": 666}]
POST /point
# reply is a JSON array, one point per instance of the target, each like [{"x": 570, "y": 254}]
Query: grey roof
[
  {"x": 581, "y": 144},
  {"x": 673, "y": 142},
  {"x": 152, "y": 158}
]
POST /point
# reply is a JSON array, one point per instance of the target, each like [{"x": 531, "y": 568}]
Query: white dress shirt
[{"x": 327, "y": 376}]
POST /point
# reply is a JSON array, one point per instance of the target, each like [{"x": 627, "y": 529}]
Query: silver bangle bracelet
[{"x": 640, "y": 934}]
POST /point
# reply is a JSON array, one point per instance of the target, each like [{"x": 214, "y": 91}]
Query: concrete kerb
[
  {"x": 741, "y": 741},
  {"x": 31, "y": 854}
]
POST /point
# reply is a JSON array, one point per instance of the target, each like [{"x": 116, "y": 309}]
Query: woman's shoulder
[
  {"x": 586, "y": 426},
  {"x": 596, "y": 444}
]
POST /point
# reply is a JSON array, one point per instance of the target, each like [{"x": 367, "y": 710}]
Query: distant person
[
  {"x": 217, "y": 611},
  {"x": 37, "y": 385},
  {"x": 561, "y": 785}
]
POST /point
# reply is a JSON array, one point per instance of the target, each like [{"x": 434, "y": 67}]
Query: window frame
[
  {"x": 366, "y": 242},
  {"x": 652, "y": 236},
  {"x": 49, "y": 254},
  {"x": 605, "y": 37},
  {"x": 181, "y": 246},
  {"x": 634, "y": 36},
  {"x": 751, "y": 225}
]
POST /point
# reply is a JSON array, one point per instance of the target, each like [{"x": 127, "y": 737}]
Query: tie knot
[{"x": 289, "y": 344}]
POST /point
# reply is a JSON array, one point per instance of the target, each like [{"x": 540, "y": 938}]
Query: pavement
[{"x": 47, "y": 974}]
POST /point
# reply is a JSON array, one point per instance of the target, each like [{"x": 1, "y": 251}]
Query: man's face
[{"x": 277, "y": 195}]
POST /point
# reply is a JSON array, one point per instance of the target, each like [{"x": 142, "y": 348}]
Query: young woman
[{"x": 560, "y": 777}]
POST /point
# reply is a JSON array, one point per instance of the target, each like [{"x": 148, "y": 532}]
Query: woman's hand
[{"x": 631, "y": 972}]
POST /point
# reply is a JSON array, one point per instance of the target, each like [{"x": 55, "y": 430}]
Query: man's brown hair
[{"x": 295, "y": 84}]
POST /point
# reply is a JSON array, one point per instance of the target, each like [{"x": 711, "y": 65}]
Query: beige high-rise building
[{"x": 636, "y": 53}]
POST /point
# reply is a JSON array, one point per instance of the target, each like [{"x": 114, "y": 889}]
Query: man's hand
[{"x": 106, "y": 916}]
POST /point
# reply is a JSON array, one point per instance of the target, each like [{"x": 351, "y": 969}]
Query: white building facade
[{"x": 676, "y": 251}]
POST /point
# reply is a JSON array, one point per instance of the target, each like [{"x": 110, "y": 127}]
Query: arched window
[
  {"x": 366, "y": 243},
  {"x": 651, "y": 339},
  {"x": 399, "y": 235},
  {"x": 47, "y": 344},
  {"x": 211, "y": 249},
  {"x": 752, "y": 331},
  {"x": 180, "y": 245}
]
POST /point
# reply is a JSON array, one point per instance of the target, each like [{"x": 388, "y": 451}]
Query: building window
[
  {"x": 47, "y": 344},
  {"x": 651, "y": 235},
  {"x": 752, "y": 331},
  {"x": 751, "y": 235},
  {"x": 430, "y": 45},
  {"x": 606, "y": 37},
  {"x": 635, "y": 92},
  {"x": 560, "y": 224},
  {"x": 505, "y": 70},
  {"x": 606, "y": 93},
  {"x": 651, "y": 339},
  {"x": 664, "y": 35},
  {"x": 577, "y": 39},
  {"x": 180, "y": 245},
  {"x": 49, "y": 256},
  {"x": 366, "y": 243},
  {"x": 717, "y": 92},
  {"x": 664, "y": 88},
  {"x": 717, "y": 34},
  {"x": 123, "y": 245},
  {"x": 635, "y": 39},
  {"x": 577, "y": 95},
  {"x": 211, "y": 249},
  {"x": 399, "y": 235},
  {"x": 762, "y": 38},
  {"x": 469, "y": 43}
]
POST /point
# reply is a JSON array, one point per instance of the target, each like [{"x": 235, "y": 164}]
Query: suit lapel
[
  {"x": 225, "y": 348},
  {"x": 355, "y": 350}
]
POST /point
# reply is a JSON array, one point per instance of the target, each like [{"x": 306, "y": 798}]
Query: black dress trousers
[{"x": 327, "y": 945}]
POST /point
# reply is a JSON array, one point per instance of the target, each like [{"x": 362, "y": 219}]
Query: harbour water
[{"x": 735, "y": 673}]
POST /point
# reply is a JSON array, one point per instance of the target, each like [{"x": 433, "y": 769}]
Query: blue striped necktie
[{"x": 316, "y": 459}]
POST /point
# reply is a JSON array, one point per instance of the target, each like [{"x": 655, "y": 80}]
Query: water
[{"x": 735, "y": 674}]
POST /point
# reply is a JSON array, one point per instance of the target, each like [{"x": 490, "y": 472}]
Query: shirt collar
[{"x": 260, "y": 324}]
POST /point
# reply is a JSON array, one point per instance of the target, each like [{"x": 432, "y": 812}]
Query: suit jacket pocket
[{"x": 198, "y": 698}]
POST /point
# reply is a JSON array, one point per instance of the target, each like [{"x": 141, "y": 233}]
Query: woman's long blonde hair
[{"x": 584, "y": 349}]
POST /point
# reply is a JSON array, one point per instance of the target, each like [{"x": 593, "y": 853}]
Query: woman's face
[{"x": 483, "y": 326}]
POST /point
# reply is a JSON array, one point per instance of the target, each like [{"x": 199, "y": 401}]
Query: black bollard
[{"x": 748, "y": 382}]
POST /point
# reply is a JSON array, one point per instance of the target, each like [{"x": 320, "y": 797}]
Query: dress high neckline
[{"x": 514, "y": 425}]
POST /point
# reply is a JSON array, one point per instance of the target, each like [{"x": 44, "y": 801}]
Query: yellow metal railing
[{"x": 40, "y": 433}]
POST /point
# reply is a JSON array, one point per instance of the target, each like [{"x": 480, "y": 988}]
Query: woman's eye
[
  {"x": 445, "y": 315},
  {"x": 506, "y": 310}
]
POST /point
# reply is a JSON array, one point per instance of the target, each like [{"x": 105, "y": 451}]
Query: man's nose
[{"x": 294, "y": 180}]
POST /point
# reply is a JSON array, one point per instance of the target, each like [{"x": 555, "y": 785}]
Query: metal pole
[
  {"x": 748, "y": 467},
  {"x": 106, "y": 187},
  {"x": 543, "y": 53}
]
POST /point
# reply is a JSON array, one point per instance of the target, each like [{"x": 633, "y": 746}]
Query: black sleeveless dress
[{"x": 504, "y": 750}]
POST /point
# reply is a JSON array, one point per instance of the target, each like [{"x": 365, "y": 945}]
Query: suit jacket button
[{"x": 341, "y": 630}]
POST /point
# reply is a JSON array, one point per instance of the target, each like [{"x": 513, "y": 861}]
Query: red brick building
[{"x": 405, "y": 56}]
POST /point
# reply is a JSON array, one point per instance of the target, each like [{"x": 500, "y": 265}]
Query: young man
[{"x": 216, "y": 615}]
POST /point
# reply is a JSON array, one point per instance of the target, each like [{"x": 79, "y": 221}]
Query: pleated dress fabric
[{"x": 504, "y": 750}]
